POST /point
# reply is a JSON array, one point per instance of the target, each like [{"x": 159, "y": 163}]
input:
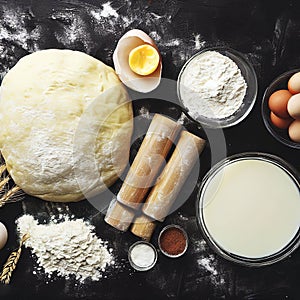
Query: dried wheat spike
[
  {"x": 12, "y": 261},
  {"x": 2, "y": 168},
  {"x": 3, "y": 178},
  {"x": 8, "y": 194},
  {"x": 12, "y": 195}
]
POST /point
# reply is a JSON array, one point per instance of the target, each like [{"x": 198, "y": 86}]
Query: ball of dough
[{"x": 66, "y": 125}]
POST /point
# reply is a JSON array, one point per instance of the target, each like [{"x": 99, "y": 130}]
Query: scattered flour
[
  {"x": 107, "y": 11},
  {"x": 74, "y": 31},
  {"x": 12, "y": 29},
  {"x": 181, "y": 49},
  {"x": 145, "y": 113},
  {"x": 182, "y": 119},
  {"x": 66, "y": 248},
  {"x": 88, "y": 28},
  {"x": 199, "y": 44},
  {"x": 208, "y": 264},
  {"x": 111, "y": 21},
  {"x": 16, "y": 37},
  {"x": 182, "y": 217},
  {"x": 199, "y": 246}
]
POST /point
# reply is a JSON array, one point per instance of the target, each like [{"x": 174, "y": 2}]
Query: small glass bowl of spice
[
  {"x": 173, "y": 241},
  {"x": 142, "y": 256}
]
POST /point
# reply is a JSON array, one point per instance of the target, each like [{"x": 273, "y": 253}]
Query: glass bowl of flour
[{"x": 217, "y": 87}]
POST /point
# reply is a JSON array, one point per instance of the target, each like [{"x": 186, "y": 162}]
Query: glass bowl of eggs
[{"x": 281, "y": 108}]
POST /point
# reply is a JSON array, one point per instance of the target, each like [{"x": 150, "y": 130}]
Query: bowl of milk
[{"x": 248, "y": 209}]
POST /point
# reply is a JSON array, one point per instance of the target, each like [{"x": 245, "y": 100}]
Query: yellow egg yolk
[{"x": 143, "y": 60}]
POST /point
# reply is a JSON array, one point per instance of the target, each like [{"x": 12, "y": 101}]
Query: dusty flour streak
[
  {"x": 155, "y": 36},
  {"x": 14, "y": 35},
  {"x": 198, "y": 42},
  {"x": 180, "y": 48},
  {"x": 208, "y": 264},
  {"x": 144, "y": 113},
  {"x": 74, "y": 30},
  {"x": 116, "y": 21},
  {"x": 108, "y": 11},
  {"x": 85, "y": 28}
]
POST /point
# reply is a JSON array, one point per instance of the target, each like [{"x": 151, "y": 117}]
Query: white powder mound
[
  {"x": 212, "y": 86},
  {"x": 68, "y": 248}
]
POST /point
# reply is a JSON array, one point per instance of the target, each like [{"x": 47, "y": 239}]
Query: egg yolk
[{"x": 143, "y": 60}]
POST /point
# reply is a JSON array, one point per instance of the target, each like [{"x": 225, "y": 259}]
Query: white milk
[{"x": 252, "y": 208}]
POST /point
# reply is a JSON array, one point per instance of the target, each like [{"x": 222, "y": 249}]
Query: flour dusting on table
[
  {"x": 207, "y": 263},
  {"x": 73, "y": 30},
  {"x": 89, "y": 28},
  {"x": 16, "y": 37}
]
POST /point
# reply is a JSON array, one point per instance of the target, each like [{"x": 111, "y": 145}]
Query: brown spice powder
[{"x": 173, "y": 241}]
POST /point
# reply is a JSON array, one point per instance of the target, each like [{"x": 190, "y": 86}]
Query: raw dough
[{"x": 66, "y": 124}]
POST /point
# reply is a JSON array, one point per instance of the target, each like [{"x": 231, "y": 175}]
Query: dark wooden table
[{"x": 266, "y": 32}]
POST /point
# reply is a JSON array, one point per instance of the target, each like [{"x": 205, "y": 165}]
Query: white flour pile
[
  {"x": 68, "y": 248},
  {"x": 212, "y": 86}
]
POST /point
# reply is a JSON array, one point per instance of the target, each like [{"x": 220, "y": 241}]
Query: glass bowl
[
  {"x": 183, "y": 232},
  {"x": 285, "y": 251},
  {"x": 131, "y": 261},
  {"x": 249, "y": 75},
  {"x": 281, "y": 135}
]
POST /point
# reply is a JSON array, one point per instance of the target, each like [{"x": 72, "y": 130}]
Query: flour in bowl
[{"x": 212, "y": 86}]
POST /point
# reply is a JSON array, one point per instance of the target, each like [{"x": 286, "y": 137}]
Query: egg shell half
[
  {"x": 3, "y": 235},
  {"x": 294, "y": 83},
  {"x": 294, "y": 106},
  {"x": 127, "y": 42},
  {"x": 294, "y": 131}
]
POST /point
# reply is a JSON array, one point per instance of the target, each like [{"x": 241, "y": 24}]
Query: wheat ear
[
  {"x": 8, "y": 193},
  {"x": 12, "y": 261},
  {"x": 4, "y": 179},
  {"x": 13, "y": 195}
]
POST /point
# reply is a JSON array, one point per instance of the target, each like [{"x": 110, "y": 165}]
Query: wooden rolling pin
[
  {"x": 119, "y": 216},
  {"x": 143, "y": 227},
  {"x": 173, "y": 176},
  {"x": 148, "y": 161}
]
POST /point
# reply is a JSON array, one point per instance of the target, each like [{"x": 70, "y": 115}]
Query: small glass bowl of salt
[{"x": 142, "y": 256}]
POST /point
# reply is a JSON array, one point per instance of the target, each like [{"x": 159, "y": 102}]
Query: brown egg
[
  {"x": 294, "y": 106},
  {"x": 280, "y": 122},
  {"x": 294, "y": 83},
  {"x": 278, "y": 103},
  {"x": 294, "y": 131}
]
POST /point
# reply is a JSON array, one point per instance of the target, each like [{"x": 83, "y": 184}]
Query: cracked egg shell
[{"x": 128, "y": 42}]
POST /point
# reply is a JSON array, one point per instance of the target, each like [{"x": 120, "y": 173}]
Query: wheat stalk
[
  {"x": 4, "y": 182},
  {"x": 2, "y": 169},
  {"x": 8, "y": 194},
  {"x": 13, "y": 195},
  {"x": 12, "y": 261}
]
